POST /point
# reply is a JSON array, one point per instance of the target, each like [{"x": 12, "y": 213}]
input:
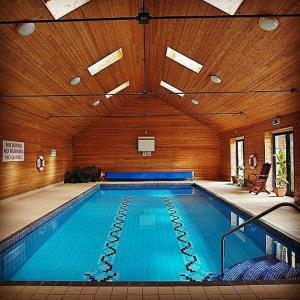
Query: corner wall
[
  {"x": 39, "y": 137},
  {"x": 254, "y": 137}
]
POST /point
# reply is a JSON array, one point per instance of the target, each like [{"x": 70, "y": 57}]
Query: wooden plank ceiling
[{"x": 259, "y": 69}]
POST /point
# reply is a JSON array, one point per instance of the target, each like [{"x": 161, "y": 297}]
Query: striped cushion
[
  {"x": 257, "y": 271},
  {"x": 277, "y": 271}
]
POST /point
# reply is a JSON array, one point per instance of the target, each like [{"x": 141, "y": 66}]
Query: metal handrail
[{"x": 267, "y": 211}]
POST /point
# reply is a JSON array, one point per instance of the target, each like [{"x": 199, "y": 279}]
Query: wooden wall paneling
[
  {"x": 181, "y": 142},
  {"x": 39, "y": 136},
  {"x": 254, "y": 137}
]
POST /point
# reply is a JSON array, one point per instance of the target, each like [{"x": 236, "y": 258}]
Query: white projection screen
[{"x": 146, "y": 144}]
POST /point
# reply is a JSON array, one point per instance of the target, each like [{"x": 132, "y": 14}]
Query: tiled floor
[
  {"x": 284, "y": 291},
  {"x": 285, "y": 219},
  {"x": 16, "y": 214},
  {"x": 19, "y": 213}
]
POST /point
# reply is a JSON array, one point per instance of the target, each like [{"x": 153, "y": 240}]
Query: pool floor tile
[
  {"x": 215, "y": 297},
  {"x": 199, "y": 297},
  {"x": 166, "y": 297},
  {"x": 196, "y": 290},
  {"x": 119, "y": 291},
  {"x": 135, "y": 290},
  {"x": 59, "y": 290},
  {"x": 74, "y": 290},
  {"x": 181, "y": 290},
  {"x": 134, "y": 297},
  {"x": 54, "y": 297},
  {"x": 70, "y": 297},
  {"x": 89, "y": 290},
  {"x": 227, "y": 290},
  {"x": 212, "y": 290},
  {"x": 38, "y": 297},
  {"x": 242, "y": 289},
  {"x": 105, "y": 290},
  {"x": 102, "y": 297},
  {"x": 183, "y": 297},
  {"x": 165, "y": 290},
  {"x": 150, "y": 297},
  {"x": 150, "y": 290},
  {"x": 42, "y": 290},
  {"x": 248, "y": 296}
]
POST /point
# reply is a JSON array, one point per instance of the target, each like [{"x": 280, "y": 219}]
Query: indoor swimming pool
[{"x": 146, "y": 233}]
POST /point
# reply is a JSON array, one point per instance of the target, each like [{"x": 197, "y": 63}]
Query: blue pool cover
[{"x": 149, "y": 175}]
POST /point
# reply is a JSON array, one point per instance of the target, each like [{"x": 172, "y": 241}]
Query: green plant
[
  {"x": 242, "y": 181},
  {"x": 83, "y": 174},
  {"x": 281, "y": 176}
]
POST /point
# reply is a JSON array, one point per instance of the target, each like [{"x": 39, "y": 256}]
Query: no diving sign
[{"x": 13, "y": 151}]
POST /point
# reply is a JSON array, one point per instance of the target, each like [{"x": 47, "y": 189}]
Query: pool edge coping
[{"x": 21, "y": 233}]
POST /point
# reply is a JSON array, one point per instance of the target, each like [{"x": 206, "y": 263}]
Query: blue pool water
[{"x": 136, "y": 234}]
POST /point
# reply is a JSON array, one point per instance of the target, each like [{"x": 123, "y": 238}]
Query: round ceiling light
[
  {"x": 96, "y": 103},
  {"x": 268, "y": 23},
  {"x": 75, "y": 80},
  {"x": 194, "y": 101},
  {"x": 25, "y": 29},
  {"x": 215, "y": 79}
]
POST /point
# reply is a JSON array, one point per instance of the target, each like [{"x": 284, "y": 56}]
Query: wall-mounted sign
[
  {"x": 13, "y": 151},
  {"x": 147, "y": 153},
  {"x": 53, "y": 152}
]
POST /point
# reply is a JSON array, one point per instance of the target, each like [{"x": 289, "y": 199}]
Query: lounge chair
[{"x": 257, "y": 182}]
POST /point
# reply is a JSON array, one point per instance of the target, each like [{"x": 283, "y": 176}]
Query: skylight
[
  {"x": 59, "y": 8},
  {"x": 117, "y": 89},
  {"x": 105, "y": 62},
  {"x": 183, "y": 60},
  {"x": 228, "y": 6},
  {"x": 171, "y": 88}
]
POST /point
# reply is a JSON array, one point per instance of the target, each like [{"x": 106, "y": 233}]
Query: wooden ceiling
[{"x": 259, "y": 69}]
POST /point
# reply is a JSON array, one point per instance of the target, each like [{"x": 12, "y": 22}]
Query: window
[
  {"x": 105, "y": 62},
  {"x": 240, "y": 158},
  {"x": 117, "y": 90},
  {"x": 171, "y": 88},
  {"x": 283, "y": 142},
  {"x": 59, "y": 8},
  {"x": 183, "y": 60}
]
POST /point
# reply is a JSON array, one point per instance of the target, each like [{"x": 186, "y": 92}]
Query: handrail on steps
[{"x": 267, "y": 211}]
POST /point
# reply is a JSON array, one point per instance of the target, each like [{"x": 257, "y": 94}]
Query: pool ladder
[{"x": 267, "y": 211}]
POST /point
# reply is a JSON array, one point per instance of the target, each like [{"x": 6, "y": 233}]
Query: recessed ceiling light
[
  {"x": 96, "y": 103},
  {"x": 105, "y": 62},
  {"x": 171, "y": 88},
  {"x": 117, "y": 89},
  {"x": 75, "y": 80},
  {"x": 183, "y": 60},
  {"x": 215, "y": 79},
  {"x": 268, "y": 23},
  {"x": 26, "y": 29},
  {"x": 194, "y": 101},
  {"x": 59, "y": 8},
  {"x": 228, "y": 6}
]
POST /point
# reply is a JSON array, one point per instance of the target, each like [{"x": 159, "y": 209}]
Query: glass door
[
  {"x": 284, "y": 143},
  {"x": 240, "y": 158}
]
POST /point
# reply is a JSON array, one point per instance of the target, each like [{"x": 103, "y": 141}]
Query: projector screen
[{"x": 146, "y": 144}]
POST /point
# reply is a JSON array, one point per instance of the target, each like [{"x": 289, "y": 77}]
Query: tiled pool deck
[
  {"x": 17, "y": 214},
  {"x": 287, "y": 291}
]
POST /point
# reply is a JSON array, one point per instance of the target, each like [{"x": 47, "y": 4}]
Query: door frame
[
  {"x": 236, "y": 155},
  {"x": 288, "y": 159}
]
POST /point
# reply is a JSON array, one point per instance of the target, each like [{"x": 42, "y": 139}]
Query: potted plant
[
  {"x": 281, "y": 181},
  {"x": 241, "y": 182},
  {"x": 235, "y": 179}
]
